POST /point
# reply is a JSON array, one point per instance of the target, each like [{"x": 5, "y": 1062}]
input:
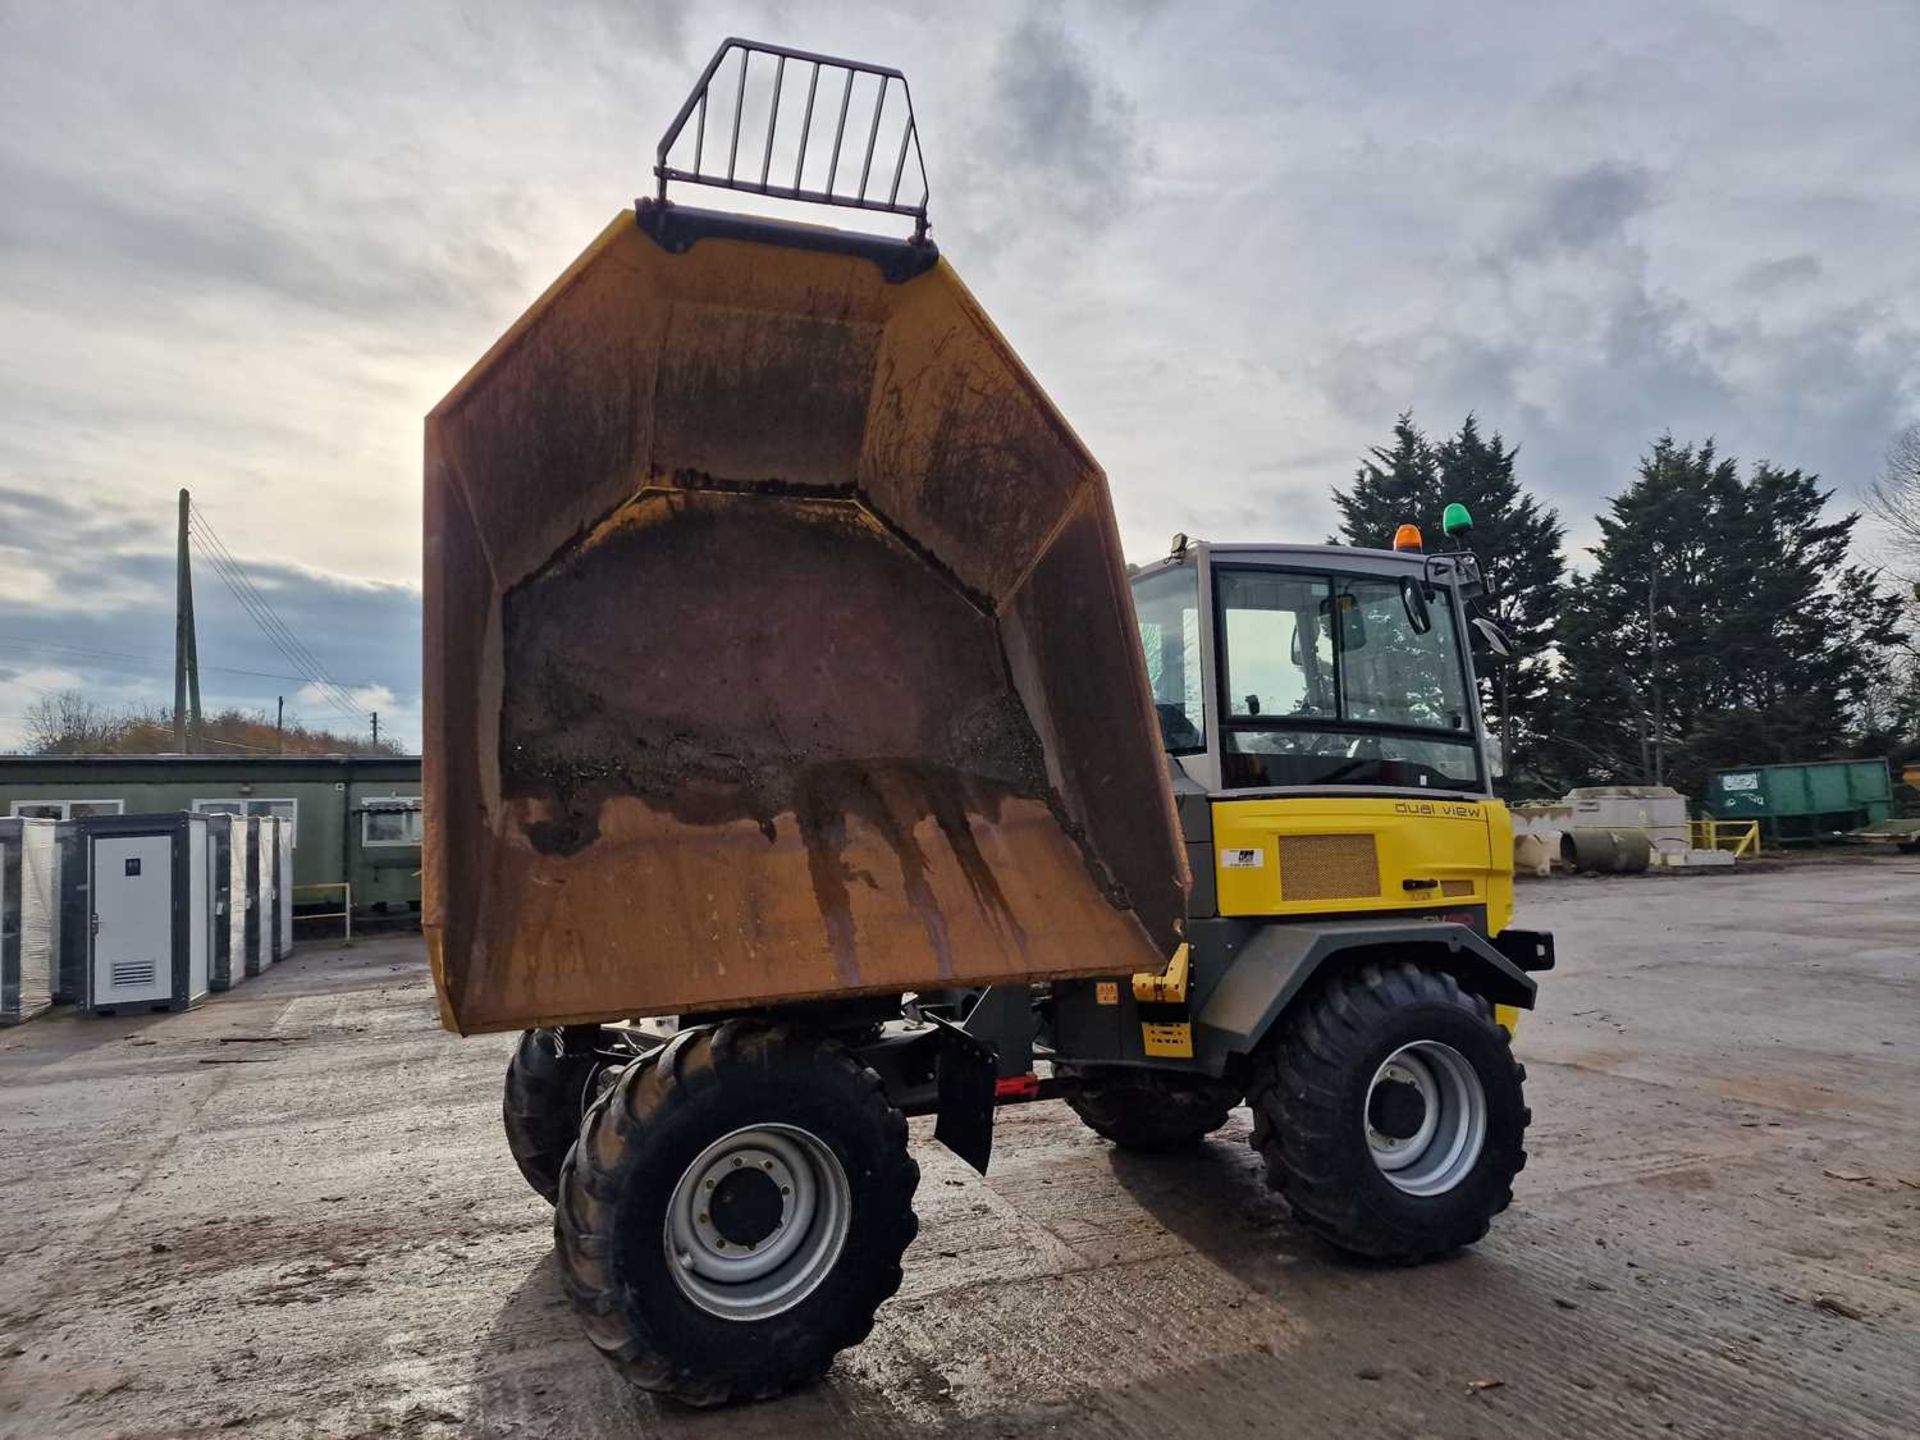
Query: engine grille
[{"x": 1328, "y": 867}]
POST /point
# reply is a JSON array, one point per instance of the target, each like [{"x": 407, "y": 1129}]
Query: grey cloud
[
  {"x": 1771, "y": 276},
  {"x": 1063, "y": 144},
  {"x": 66, "y": 524},
  {"x": 653, "y": 27},
  {"x": 197, "y": 241},
  {"x": 1586, "y": 209},
  {"x": 1588, "y": 368}
]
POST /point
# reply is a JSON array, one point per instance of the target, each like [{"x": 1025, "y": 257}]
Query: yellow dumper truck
[{"x": 801, "y": 756}]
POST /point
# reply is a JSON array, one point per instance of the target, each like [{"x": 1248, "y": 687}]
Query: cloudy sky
[{"x": 245, "y": 247}]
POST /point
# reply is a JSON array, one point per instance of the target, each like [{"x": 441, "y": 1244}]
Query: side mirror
[{"x": 1492, "y": 637}]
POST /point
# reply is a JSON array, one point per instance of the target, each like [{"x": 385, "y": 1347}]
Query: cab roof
[{"x": 1332, "y": 558}]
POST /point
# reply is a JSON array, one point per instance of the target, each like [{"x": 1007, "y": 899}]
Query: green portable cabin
[
  {"x": 1803, "y": 804},
  {"x": 353, "y": 818}
]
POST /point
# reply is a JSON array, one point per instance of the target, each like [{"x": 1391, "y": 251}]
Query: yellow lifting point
[
  {"x": 1166, "y": 989},
  {"x": 1163, "y": 1035}
]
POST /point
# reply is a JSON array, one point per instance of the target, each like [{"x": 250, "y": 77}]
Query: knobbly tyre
[{"x": 801, "y": 757}]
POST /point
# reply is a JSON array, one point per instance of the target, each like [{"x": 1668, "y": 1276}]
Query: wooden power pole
[{"x": 186, "y": 658}]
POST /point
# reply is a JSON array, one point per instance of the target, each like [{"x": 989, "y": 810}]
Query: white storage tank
[
  {"x": 1657, "y": 811},
  {"x": 227, "y": 908},
  {"x": 149, "y": 930},
  {"x": 29, "y": 918}
]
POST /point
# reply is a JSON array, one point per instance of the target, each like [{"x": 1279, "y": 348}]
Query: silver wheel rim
[
  {"x": 1452, "y": 1129},
  {"x": 759, "y": 1276}
]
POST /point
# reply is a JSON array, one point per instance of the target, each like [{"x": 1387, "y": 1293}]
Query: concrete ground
[{"x": 291, "y": 1213}]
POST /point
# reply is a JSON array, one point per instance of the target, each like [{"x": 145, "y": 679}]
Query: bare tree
[
  {"x": 68, "y": 723},
  {"x": 1894, "y": 499}
]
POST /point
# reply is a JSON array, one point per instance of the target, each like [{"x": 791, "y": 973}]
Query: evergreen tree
[
  {"x": 1721, "y": 625},
  {"x": 1516, "y": 540}
]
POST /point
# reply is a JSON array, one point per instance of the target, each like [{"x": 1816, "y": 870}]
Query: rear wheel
[
  {"x": 550, "y": 1082},
  {"x": 1391, "y": 1114},
  {"x": 735, "y": 1212},
  {"x": 1139, "y": 1109}
]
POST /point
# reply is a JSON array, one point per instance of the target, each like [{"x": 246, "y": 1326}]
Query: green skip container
[{"x": 1803, "y": 804}]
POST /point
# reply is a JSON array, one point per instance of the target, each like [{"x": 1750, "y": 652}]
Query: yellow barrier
[
  {"x": 1739, "y": 836},
  {"x": 344, "y": 913}
]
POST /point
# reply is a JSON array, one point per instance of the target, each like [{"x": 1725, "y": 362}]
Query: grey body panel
[
  {"x": 1195, "y": 809},
  {"x": 1264, "y": 970},
  {"x": 1244, "y": 974}
]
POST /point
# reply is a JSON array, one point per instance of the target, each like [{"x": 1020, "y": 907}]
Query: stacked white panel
[
  {"x": 261, "y": 922},
  {"x": 29, "y": 917},
  {"x": 283, "y": 893},
  {"x": 238, "y": 841}
]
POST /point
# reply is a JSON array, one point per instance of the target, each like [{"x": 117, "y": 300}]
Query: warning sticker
[{"x": 1242, "y": 859}]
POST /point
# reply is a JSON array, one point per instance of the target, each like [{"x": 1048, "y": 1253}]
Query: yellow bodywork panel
[
  {"x": 1500, "y": 874},
  {"x": 1331, "y": 855},
  {"x": 1167, "y": 1041}
]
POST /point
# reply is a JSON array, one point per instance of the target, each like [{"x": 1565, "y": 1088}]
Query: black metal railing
[{"x": 791, "y": 144}]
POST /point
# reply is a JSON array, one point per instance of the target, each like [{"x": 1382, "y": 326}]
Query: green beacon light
[{"x": 1456, "y": 522}]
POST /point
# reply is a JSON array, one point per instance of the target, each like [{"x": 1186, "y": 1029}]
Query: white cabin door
[{"x": 132, "y": 919}]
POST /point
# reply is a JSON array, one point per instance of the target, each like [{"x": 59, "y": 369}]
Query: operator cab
[{"x": 1281, "y": 668}]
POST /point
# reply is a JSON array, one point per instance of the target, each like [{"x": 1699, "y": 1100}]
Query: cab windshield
[
  {"x": 1341, "y": 680},
  {"x": 1349, "y": 680}
]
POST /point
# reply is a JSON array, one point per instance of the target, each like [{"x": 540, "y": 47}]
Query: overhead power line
[
  {"x": 269, "y": 625},
  {"x": 276, "y": 632},
  {"x": 234, "y": 576},
  {"x": 304, "y": 659},
  {"x": 145, "y": 663}
]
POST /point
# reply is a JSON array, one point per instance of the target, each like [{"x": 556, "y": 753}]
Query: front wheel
[
  {"x": 735, "y": 1212},
  {"x": 1390, "y": 1113}
]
